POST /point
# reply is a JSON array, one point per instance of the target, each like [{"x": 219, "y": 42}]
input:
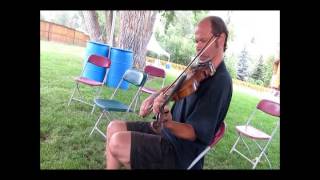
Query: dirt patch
[{"x": 43, "y": 136}]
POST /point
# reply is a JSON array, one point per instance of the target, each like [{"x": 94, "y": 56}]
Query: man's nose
[{"x": 199, "y": 47}]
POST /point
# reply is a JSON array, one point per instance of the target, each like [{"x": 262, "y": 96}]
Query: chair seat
[
  {"x": 111, "y": 105},
  {"x": 252, "y": 132},
  {"x": 148, "y": 90},
  {"x": 87, "y": 81}
]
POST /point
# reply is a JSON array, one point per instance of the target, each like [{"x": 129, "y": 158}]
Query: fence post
[
  {"x": 49, "y": 29},
  {"x": 74, "y": 36}
]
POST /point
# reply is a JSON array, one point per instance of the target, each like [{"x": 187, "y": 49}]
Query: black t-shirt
[{"x": 204, "y": 110}]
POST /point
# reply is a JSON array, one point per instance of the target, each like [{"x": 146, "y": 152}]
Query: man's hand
[
  {"x": 157, "y": 103},
  {"x": 146, "y": 105},
  {"x": 166, "y": 117}
]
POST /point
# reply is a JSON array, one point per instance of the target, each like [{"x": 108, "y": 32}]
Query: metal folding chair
[
  {"x": 219, "y": 134},
  {"x": 256, "y": 135},
  {"x": 132, "y": 76},
  {"x": 100, "y": 61},
  {"x": 153, "y": 73}
]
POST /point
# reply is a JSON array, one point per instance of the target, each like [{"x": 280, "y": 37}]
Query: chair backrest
[
  {"x": 100, "y": 61},
  {"x": 219, "y": 134},
  {"x": 132, "y": 76},
  {"x": 135, "y": 77},
  {"x": 269, "y": 107},
  {"x": 155, "y": 71}
]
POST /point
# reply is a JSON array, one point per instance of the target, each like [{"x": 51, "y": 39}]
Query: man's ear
[{"x": 221, "y": 39}]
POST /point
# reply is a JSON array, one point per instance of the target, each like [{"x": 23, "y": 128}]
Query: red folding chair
[
  {"x": 153, "y": 73},
  {"x": 219, "y": 134},
  {"x": 100, "y": 61},
  {"x": 252, "y": 133}
]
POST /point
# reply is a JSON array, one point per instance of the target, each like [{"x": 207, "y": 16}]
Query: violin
[
  {"x": 194, "y": 76},
  {"x": 187, "y": 82}
]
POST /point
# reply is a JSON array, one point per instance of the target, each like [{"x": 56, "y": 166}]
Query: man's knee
[
  {"x": 119, "y": 143},
  {"x": 116, "y": 126}
]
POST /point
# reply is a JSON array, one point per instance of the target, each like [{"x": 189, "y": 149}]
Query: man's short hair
[{"x": 218, "y": 26}]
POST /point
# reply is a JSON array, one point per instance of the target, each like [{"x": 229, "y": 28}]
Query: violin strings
[{"x": 199, "y": 54}]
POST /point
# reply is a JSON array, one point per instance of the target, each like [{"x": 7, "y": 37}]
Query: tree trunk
[
  {"x": 135, "y": 32},
  {"x": 108, "y": 15},
  {"x": 92, "y": 25}
]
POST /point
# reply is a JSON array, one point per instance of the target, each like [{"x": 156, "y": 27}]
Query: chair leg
[
  {"x": 97, "y": 122},
  {"x": 263, "y": 150},
  {"x": 268, "y": 161},
  {"x": 137, "y": 101},
  {"x": 94, "y": 106},
  {"x": 111, "y": 117},
  {"x": 79, "y": 92},
  {"x": 234, "y": 149},
  {"x": 99, "y": 91},
  {"x": 198, "y": 157},
  {"x": 235, "y": 144},
  {"x": 257, "y": 160},
  {"x": 97, "y": 96},
  {"x": 246, "y": 145},
  {"x": 74, "y": 90},
  {"x": 135, "y": 104}
]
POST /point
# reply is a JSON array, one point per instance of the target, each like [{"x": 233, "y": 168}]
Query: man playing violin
[{"x": 189, "y": 126}]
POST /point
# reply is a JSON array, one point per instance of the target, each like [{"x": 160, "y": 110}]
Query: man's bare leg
[
  {"x": 119, "y": 148},
  {"x": 113, "y": 127}
]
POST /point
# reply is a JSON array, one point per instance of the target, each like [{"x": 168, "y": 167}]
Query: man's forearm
[{"x": 181, "y": 130}]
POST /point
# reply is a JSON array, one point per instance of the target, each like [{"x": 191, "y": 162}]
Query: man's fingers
[
  {"x": 166, "y": 109},
  {"x": 155, "y": 108}
]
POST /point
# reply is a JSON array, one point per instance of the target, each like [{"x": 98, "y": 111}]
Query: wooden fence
[{"x": 54, "y": 32}]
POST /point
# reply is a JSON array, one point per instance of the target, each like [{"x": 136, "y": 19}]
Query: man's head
[{"x": 207, "y": 27}]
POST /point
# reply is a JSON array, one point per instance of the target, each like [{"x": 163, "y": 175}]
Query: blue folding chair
[{"x": 132, "y": 76}]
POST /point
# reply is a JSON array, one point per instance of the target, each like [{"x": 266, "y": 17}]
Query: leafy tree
[
  {"x": 105, "y": 25},
  {"x": 267, "y": 69},
  {"x": 230, "y": 61},
  {"x": 198, "y": 15},
  {"x": 178, "y": 36},
  {"x": 258, "y": 71},
  {"x": 242, "y": 70},
  {"x": 176, "y": 33},
  {"x": 168, "y": 17}
]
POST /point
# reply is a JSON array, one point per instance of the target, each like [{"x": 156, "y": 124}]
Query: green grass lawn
[{"x": 64, "y": 130}]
